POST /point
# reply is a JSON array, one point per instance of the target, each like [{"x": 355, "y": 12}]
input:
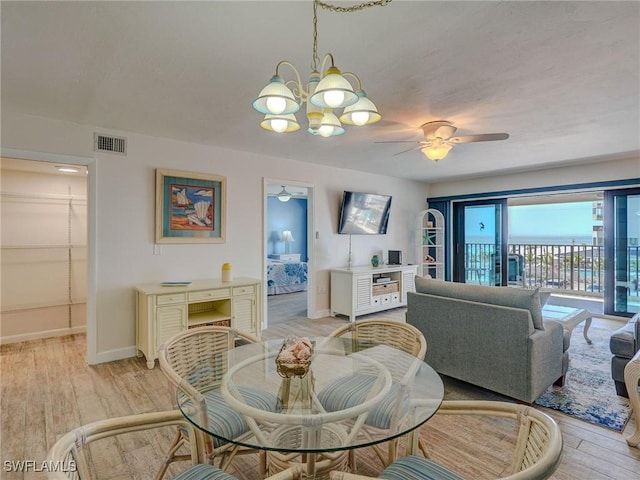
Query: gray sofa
[
  {"x": 624, "y": 344},
  {"x": 493, "y": 337}
]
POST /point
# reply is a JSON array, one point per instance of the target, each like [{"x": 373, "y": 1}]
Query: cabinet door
[
  {"x": 364, "y": 283},
  {"x": 408, "y": 284},
  {"x": 170, "y": 319},
  {"x": 244, "y": 314}
]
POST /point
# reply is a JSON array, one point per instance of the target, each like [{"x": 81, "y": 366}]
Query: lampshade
[
  {"x": 330, "y": 125},
  {"x": 436, "y": 152},
  {"x": 287, "y": 236},
  {"x": 333, "y": 91},
  {"x": 363, "y": 112},
  {"x": 276, "y": 98},
  {"x": 280, "y": 123}
]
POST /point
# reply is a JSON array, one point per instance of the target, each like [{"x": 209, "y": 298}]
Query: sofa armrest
[{"x": 546, "y": 349}]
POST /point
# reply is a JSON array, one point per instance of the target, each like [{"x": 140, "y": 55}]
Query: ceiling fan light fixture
[
  {"x": 436, "y": 152},
  {"x": 284, "y": 196},
  {"x": 363, "y": 112}
]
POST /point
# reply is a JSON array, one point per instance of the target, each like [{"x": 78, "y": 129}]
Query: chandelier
[{"x": 321, "y": 95}]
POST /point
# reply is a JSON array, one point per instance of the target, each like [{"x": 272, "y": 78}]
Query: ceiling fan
[
  {"x": 439, "y": 139},
  {"x": 284, "y": 195}
]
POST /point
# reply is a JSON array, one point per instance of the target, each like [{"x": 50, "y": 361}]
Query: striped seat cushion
[
  {"x": 417, "y": 468},
  {"x": 204, "y": 472},
  {"x": 352, "y": 390},
  {"x": 229, "y": 423}
]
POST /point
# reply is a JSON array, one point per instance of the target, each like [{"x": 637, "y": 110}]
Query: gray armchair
[{"x": 624, "y": 343}]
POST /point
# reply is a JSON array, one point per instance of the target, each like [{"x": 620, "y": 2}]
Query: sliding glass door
[
  {"x": 622, "y": 239},
  {"x": 479, "y": 243}
]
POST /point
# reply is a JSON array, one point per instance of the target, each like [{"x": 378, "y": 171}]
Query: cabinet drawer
[
  {"x": 171, "y": 298},
  {"x": 205, "y": 295},
  {"x": 384, "y": 288},
  {"x": 246, "y": 290}
]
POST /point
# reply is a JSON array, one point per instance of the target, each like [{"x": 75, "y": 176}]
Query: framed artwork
[{"x": 190, "y": 207}]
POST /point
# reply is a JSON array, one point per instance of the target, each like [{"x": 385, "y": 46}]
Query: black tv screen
[{"x": 364, "y": 213}]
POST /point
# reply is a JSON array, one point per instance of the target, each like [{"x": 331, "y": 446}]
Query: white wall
[
  {"x": 585, "y": 172},
  {"x": 124, "y": 210}
]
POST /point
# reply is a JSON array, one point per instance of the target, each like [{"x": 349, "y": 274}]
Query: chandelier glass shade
[
  {"x": 437, "y": 151},
  {"x": 321, "y": 95}
]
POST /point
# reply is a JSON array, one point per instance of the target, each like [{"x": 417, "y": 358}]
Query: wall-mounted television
[{"x": 364, "y": 213}]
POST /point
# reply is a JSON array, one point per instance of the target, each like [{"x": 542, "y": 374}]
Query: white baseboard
[
  {"x": 46, "y": 334},
  {"x": 321, "y": 314},
  {"x": 116, "y": 354}
]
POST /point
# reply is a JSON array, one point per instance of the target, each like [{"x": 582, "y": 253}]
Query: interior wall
[
  {"x": 125, "y": 203},
  {"x": 291, "y": 215},
  {"x": 587, "y": 172},
  {"x": 44, "y": 254}
]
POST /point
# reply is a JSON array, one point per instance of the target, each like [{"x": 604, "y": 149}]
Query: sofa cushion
[
  {"x": 623, "y": 342},
  {"x": 506, "y": 296}
]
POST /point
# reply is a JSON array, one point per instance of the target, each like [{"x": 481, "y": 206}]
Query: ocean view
[{"x": 535, "y": 240}]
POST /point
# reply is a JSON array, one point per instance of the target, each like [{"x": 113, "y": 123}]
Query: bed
[{"x": 286, "y": 277}]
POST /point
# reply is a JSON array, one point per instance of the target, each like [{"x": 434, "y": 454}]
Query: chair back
[
  {"x": 195, "y": 360},
  {"x": 402, "y": 336},
  {"x": 538, "y": 446},
  {"x": 68, "y": 458}
]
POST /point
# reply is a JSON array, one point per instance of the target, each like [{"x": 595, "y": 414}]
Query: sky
[
  {"x": 571, "y": 220},
  {"x": 559, "y": 219}
]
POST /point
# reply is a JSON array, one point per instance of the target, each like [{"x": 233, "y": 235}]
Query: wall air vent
[{"x": 110, "y": 144}]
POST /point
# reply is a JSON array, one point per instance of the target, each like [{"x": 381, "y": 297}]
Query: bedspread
[{"x": 286, "y": 277}]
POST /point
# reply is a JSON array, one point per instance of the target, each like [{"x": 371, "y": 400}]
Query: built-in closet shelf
[
  {"x": 41, "y": 196},
  {"x": 32, "y": 306},
  {"x": 34, "y": 247},
  {"x": 53, "y": 249}
]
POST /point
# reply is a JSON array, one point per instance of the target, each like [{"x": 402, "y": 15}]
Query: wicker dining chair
[
  {"x": 385, "y": 417},
  {"x": 535, "y": 456},
  {"x": 194, "y": 361},
  {"x": 631, "y": 379},
  {"x": 69, "y": 459}
]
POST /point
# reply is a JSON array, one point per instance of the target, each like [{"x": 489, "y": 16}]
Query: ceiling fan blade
[
  {"x": 401, "y": 141},
  {"x": 482, "y": 137},
  {"x": 419, "y": 147}
]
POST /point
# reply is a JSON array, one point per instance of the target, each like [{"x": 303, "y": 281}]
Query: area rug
[{"x": 589, "y": 392}]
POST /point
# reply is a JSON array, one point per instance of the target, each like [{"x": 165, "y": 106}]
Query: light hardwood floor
[{"x": 48, "y": 389}]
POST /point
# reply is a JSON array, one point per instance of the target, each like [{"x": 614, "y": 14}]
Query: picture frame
[{"x": 190, "y": 207}]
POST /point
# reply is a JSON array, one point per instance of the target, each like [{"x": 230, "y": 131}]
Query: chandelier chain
[
  {"x": 336, "y": 8},
  {"x": 353, "y": 8}
]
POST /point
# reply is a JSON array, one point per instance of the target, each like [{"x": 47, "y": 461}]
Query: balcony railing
[{"x": 564, "y": 267}]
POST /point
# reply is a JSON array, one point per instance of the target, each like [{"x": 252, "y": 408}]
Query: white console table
[
  {"x": 161, "y": 312},
  {"x": 354, "y": 291}
]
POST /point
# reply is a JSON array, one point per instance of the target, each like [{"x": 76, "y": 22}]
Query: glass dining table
[{"x": 350, "y": 395}]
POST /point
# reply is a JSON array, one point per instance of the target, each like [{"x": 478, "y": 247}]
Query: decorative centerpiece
[{"x": 294, "y": 357}]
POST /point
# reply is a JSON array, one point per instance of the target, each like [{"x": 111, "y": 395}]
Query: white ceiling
[{"x": 562, "y": 78}]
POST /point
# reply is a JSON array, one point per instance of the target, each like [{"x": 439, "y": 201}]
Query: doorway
[
  {"x": 44, "y": 249},
  {"x": 622, "y": 252},
  {"x": 288, "y": 239},
  {"x": 479, "y": 243}
]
